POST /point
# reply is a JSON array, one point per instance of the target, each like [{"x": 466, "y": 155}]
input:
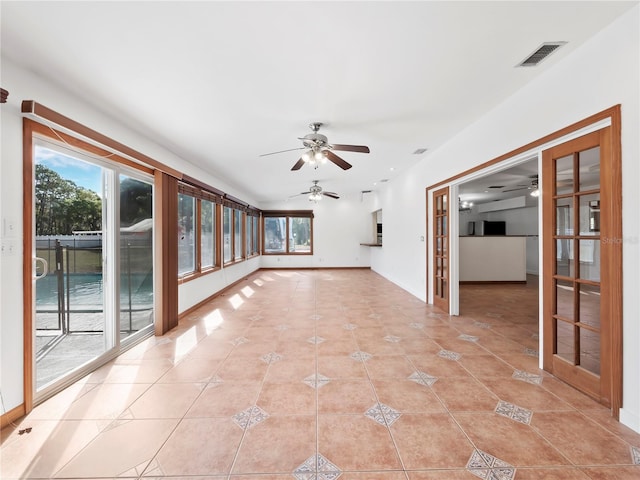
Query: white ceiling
[{"x": 220, "y": 83}]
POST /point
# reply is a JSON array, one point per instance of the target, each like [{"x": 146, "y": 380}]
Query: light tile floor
[{"x": 326, "y": 374}]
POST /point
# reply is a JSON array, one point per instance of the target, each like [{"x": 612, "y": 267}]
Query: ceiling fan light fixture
[
  {"x": 315, "y": 197},
  {"x": 535, "y": 193}
]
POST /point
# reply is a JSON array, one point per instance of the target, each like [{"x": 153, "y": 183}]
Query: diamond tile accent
[
  {"x": 349, "y": 326},
  {"x": 382, "y": 414},
  {"x": 361, "y": 356},
  {"x": 449, "y": 355},
  {"x": 250, "y": 417},
  {"x": 488, "y": 467},
  {"x": 271, "y": 357},
  {"x": 316, "y": 340},
  {"x": 527, "y": 377},
  {"x": 256, "y": 317},
  {"x": 215, "y": 381},
  {"x": 392, "y": 339},
  {"x": 482, "y": 325},
  {"x": 468, "y": 338},
  {"x": 317, "y": 467},
  {"x": 514, "y": 412},
  {"x": 635, "y": 455},
  {"x": 417, "y": 325},
  {"x": 282, "y": 327},
  {"x": 315, "y": 316},
  {"x": 375, "y": 316},
  {"x": 422, "y": 378},
  {"x": 531, "y": 352},
  {"x": 316, "y": 381},
  {"x": 238, "y": 341}
]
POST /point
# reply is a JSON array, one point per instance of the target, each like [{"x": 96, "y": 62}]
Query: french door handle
[{"x": 45, "y": 267}]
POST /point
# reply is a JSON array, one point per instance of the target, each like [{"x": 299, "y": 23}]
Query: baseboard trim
[
  {"x": 630, "y": 419},
  {"x": 493, "y": 282}
]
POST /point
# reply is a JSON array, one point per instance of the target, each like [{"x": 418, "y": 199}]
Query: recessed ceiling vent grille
[{"x": 542, "y": 52}]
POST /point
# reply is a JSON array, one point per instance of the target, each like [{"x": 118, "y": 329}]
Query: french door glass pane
[
  {"x": 565, "y": 341},
  {"x": 565, "y": 264},
  {"x": 590, "y": 260},
  {"x": 589, "y": 206},
  {"x": 564, "y": 175},
  {"x": 136, "y": 255},
  {"x": 589, "y": 172},
  {"x": 564, "y": 216},
  {"x": 589, "y": 299},
  {"x": 564, "y": 299},
  {"x": 590, "y": 350}
]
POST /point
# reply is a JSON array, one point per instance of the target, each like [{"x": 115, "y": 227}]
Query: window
[
  {"x": 197, "y": 231},
  {"x": 288, "y": 232},
  {"x": 208, "y": 234},
  {"x": 233, "y": 234},
  {"x": 251, "y": 234},
  {"x": 186, "y": 234}
]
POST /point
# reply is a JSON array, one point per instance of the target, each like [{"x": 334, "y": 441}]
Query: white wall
[
  {"x": 339, "y": 226},
  {"x": 23, "y": 85},
  {"x": 600, "y": 74}
]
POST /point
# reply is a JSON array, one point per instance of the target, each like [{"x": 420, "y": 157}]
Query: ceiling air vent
[
  {"x": 420, "y": 151},
  {"x": 542, "y": 52}
]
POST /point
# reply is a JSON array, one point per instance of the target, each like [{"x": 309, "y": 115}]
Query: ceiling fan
[
  {"x": 319, "y": 150},
  {"x": 315, "y": 193},
  {"x": 532, "y": 186}
]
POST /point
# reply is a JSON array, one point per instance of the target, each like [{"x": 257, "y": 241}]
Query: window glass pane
[
  {"x": 226, "y": 229},
  {"x": 207, "y": 236},
  {"x": 248, "y": 235},
  {"x": 237, "y": 237},
  {"x": 300, "y": 235},
  {"x": 186, "y": 234},
  {"x": 275, "y": 234},
  {"x": 255, "y": 235}
]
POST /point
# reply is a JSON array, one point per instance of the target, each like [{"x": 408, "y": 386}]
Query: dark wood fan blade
[
  {"x": 305, "y": 193},
  {"x": 331, "y": 194},
  {"x": 351, "y": 148},
  {"x": 298, "y": 164},
  {"x": 337, "y": 160},
  {"x": 281, "y": 151}
]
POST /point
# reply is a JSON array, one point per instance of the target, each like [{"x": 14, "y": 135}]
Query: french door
[
  {"x": 582, "y": 261},
  {"x": 91, "y": 261},
  {"x": 440, "y": 216}
]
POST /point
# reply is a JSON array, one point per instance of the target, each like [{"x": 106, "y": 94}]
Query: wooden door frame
[
  {"x": 613, "y": 116},
  {"x": 445, "y": 303}
]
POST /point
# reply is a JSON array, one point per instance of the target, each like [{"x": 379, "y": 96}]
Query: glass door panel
[
  {"x": 136, "y": 255},
  {"x": 70, "y": 315}
]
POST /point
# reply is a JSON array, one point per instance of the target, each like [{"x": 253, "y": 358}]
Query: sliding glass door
[{"x": 93, "y": 256}]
